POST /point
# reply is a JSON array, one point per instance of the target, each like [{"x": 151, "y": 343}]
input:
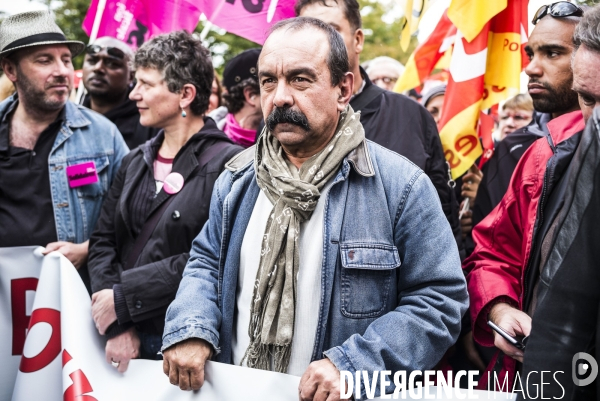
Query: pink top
[
  {"x": 241, "y": 136},
  {"x": 162, "y": 168}
]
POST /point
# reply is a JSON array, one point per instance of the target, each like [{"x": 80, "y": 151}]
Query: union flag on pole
[{"x": 483, "y": 72}]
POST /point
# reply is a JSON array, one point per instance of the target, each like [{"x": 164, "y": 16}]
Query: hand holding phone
[{"x": 518, "y": 342}]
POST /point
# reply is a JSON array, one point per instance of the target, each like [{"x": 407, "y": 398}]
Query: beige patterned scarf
[{"x": 294, "y": 195}]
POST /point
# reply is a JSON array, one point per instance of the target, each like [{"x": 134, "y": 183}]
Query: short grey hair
[
  {"x": 337, "y": 61},
  {"x": 385, "y": 60},
  {"x": 181, "y": 59},
  {"x": 588, "y": 30}
]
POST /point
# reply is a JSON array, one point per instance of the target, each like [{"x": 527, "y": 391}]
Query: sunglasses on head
[
  {"x": 111, "y": 51},
  {"x": 557, "y": 10}
]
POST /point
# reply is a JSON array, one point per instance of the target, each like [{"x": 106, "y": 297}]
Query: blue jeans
[{"x": 150, "y": 345}]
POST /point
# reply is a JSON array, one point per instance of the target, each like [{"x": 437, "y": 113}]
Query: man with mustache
[
  {"x": 390, "y": 119},
  {"x": 504, "y": 269},
  {"x": 108, "y": 78},
  {"x": 57, "y": 159},
  {"x": 315, "y": 258}
]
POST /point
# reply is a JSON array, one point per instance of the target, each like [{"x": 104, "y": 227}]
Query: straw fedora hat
[{"x": 34, "y": 28}]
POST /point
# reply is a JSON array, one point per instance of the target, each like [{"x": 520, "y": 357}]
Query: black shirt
[{"x": 26, "y": 210}]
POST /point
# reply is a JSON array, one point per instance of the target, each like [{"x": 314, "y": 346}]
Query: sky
[{"x": 19, "y": 6}]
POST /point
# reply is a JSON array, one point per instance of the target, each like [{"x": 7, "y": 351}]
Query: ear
[
  {"x": 359, "y": 40},
  {"x": 9, "y": 68},
  {"x": 251, "y": 97},
  {"x": 187, "y": 95},
  {"x": 345, "y": 87}
]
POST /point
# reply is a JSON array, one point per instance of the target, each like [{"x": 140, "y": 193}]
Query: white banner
[{"x": 63, "y": 354}]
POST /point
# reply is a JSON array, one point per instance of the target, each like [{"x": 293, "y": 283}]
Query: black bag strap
[
  {"x": 367, "y": 96},
  {"x": 153, "y": 219}
]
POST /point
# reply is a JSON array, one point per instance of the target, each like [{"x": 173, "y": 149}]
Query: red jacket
[{"x": 504, "y": 238}]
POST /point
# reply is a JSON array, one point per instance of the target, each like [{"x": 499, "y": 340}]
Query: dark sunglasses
[
  {"x": 557, "y": 10},
  {"x": 111, "y": 51}
]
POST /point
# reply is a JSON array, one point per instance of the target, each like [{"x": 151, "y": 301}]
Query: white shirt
[{"x": 308, "y": 284}]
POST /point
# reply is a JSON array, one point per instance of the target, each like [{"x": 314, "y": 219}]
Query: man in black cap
[
  {"x": 241, "y": 116},
  {"x": 108, "y": 79}
]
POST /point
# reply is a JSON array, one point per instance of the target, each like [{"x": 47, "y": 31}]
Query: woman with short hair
[{"x": 159, "y": 200}]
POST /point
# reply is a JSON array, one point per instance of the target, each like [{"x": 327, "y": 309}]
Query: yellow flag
[
  {"x": 470, "y": 16},
  {"x": 408, "y": 11},
  {"x": 413, "y": 11}
]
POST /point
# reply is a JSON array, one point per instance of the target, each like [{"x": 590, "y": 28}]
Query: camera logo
[{"x": 584, "y": 364}]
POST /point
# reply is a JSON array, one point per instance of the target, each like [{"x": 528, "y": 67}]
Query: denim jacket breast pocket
[
  {"x": 96, "y": 189},
  {"x": 366, "y": 278}
]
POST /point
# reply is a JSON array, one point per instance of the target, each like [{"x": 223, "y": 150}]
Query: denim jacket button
[
  {"x": 176, "y": 215},
  {"x": 351, "y": 255},
  {"x": 138, "y": 304}
]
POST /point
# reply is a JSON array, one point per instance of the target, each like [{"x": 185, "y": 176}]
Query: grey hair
[
  {"x": 385, "y": 60},
  {"x": 337, "y": 61},
  {"x": 588, "y": 30},
  {"x": 181, "y": 59}
]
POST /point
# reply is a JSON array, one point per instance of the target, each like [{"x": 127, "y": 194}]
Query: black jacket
[
  {"x": 126, "y": 117},
  {"x": 567, "y": 319},
  {"x": 398, "y": 123},
  {"x": 150, "y": 286},
  {"x": 498, "y": 171}
]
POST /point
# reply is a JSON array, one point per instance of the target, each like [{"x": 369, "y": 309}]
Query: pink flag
[
  {"x": 135, "y": 21},
  {"x": 249, "y": 19}
]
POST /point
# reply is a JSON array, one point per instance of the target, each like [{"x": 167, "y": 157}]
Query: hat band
[{"x": 33, "y": 39}]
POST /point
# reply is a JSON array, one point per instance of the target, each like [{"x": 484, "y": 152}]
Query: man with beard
[
  {"x": 503, "y": 269},
  {"x": 567, "y": 319},
  {"x": 321, "y": 290},
  {"x": 108, "y": 78},
  {"x": 57, "y": 159}
]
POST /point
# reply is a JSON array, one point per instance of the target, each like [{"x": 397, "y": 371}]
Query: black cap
[
  {"x": 413, "y": 93},
  {"x": 242, "y": 66}
]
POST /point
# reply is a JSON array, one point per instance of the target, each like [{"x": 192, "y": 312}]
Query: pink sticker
[
  {"x": 82, "y": 174},
  {"x": 173, "y": 183}
]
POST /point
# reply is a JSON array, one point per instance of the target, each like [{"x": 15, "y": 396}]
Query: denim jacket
[
  {"x": 84, "y": 136},
  {"x": 393, "y": 292}
]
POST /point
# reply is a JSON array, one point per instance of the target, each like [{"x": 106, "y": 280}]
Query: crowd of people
[{"x": 297, "y": 215}]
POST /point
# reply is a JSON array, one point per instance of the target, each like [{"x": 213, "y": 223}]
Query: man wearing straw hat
[{"x": 57, "y": 159}]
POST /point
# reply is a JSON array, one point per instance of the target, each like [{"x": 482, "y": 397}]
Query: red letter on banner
[
  {"x": 18, "y": 304},
  {"x": 52, "y": 349},
  {"x": 80, "y": 386}
]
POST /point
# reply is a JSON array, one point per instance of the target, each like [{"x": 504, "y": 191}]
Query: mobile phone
[{"x": 517, "y": 342}]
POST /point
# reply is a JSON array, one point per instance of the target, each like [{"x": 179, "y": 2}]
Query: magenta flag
[
  {"x": 136, "y": 21},
  {"x": 249, "y": 19}
]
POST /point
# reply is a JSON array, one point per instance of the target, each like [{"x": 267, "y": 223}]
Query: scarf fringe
[{"x": 258, "y": 356}]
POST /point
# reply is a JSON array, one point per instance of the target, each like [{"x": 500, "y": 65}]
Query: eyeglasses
[
  {"x": 386, "y": 80},
  {"x": 111, "y": 51},
  {"x": 560, "y": 9}
]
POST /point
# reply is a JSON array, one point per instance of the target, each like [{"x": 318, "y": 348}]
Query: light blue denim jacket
[
  {"x": 84, "y": 136},
  {"x": 393, "y": 292}
]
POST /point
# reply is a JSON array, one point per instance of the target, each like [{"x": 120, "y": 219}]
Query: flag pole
[
  {"x": 93, "y": 36},
  {"x": 205, "y": 30}
]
